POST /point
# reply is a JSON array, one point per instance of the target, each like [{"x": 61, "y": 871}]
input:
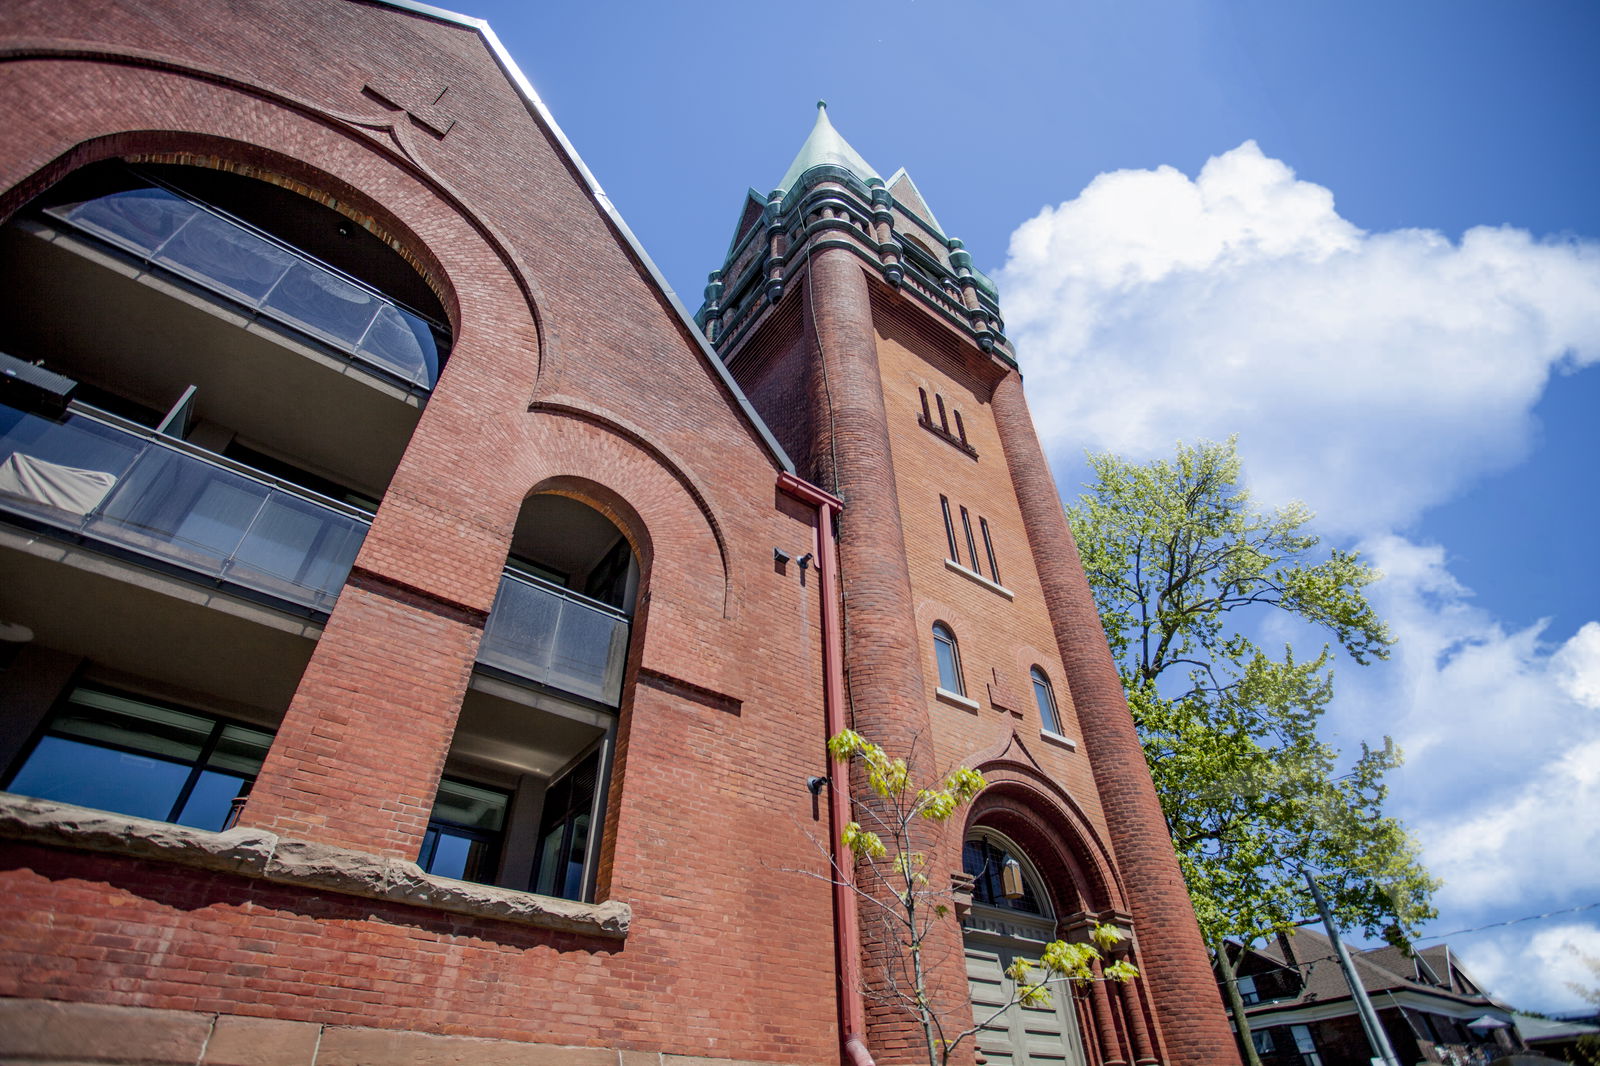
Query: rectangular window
[
  {"x": 1305, "y": 1045},
  {"x": 464, "y": 832},
  {"x": 988, "y": 548},
  {"x": 122, "y": 753},
  {"x": 949, "y": 530},
  {"x": 1247, "y": 990},
  {"x": 972, "y": 547}
]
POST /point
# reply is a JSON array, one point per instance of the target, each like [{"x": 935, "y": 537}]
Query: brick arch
[
  {"x": 166, "y": 110},
  {"x": 275, "y": 168},
  {"x": 1022, "y": 804},
  {"x": 608, "y": 502}
]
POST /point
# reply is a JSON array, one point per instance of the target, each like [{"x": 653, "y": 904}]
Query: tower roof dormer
[{"x": 824, "y": 146}]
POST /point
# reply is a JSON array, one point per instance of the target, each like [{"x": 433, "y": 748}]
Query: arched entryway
[{"x": 1012, "y": 917}]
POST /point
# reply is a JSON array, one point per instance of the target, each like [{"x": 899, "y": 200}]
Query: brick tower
[{"x": 876, "y": 353}]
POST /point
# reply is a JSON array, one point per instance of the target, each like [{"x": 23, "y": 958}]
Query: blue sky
[{"x": 1362, "y": 236}]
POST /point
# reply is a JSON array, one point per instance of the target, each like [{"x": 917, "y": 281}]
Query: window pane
[
  {"x": 211, "y": 800},
  {"x": 161, "y": 731},
  {"x": 577, "y": 852},
  {"x": 1047, "y": 703},
  {"x": 549, "y": 862},
  {"x": 944, "y": 650},
  {"x": 452, "y": 855},
  {"x": 241, "y": 750},
  {"x": 468, "y": 805},
  {"x": 72, "y": 771}
]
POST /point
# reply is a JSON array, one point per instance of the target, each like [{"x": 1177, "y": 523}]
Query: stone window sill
[
  {"x": 973, "y": 575},
  {"x": 1057, "y": 738},
  {"x": 956, "y": 699},
  {"x": 256, "y": 853}
]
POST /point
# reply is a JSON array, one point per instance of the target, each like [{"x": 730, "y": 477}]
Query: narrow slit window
[
  {"x": 944, "y": 419},
  {"x": 949, "y": 530},
  {"x": 927, "y": 418},
  {"x": 961, "y": 427},
  {"x": 988, "y": 549},
  {"x": 972, "y": 546}
]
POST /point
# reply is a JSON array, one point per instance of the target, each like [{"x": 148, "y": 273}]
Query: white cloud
[
  {"x": 1370, "y": 373},
  {"x": 1502, "y": 775},
  {"x": 1578, "y": 666},
  {"x": 1534, "y": 970}
]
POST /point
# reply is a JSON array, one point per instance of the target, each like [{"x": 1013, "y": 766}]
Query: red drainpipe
[{"x": 846, "y": 931}]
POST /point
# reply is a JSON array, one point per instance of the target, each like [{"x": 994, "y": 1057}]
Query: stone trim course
[{"x": 256, "y": 853}]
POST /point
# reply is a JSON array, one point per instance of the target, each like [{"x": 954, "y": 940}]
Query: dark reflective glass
[
  {"x": 983, "y": 860},
  {"x": 210, "y": 801},
  {"x": 82, "y": 773},
  {"x": 448, "y": 854}
]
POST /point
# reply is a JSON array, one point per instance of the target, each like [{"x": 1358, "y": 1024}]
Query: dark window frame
[{"x": 197, "y": 767}]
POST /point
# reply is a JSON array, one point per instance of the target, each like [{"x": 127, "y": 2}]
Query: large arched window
[
  {"x": 1045, "y": 696},
  {"x": 948, "y": 657}
]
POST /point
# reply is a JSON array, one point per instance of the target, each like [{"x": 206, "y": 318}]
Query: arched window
[
  {"x": 949, "y": 659},
  {"x": 1045, "y": 696},
  {"x": 999, "y": 878}
]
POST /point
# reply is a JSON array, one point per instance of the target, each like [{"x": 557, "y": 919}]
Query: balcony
[
  {"x": 231, "y": 259},
  {"x": 117, "y": 484},
  {"x": 556, "y": 637},
  {"x": 120, "y": 486}
]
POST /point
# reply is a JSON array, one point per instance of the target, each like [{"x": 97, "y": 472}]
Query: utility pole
[{"x": 1376, "y": 1037}]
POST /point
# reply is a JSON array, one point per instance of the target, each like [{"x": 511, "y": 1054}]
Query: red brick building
[{"x": 416, "y": 641}]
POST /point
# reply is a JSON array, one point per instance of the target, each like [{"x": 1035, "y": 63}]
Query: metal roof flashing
[{"x": 543, "y": 116}]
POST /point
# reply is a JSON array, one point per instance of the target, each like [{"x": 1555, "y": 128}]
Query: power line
[
  {"x": 1511, "y": 921},
  {"x": 1309, "y": 963}
]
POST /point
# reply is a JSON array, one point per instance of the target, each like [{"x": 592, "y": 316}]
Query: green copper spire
[{"x": 825, "y": 146}]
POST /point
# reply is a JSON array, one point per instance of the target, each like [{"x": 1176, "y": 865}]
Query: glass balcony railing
[
  {"x": 163, "y": 229},
  {"x": 123, "y": 486},
  {"x": 556, "y": 637},
  {"x": 119, "y": 484}
]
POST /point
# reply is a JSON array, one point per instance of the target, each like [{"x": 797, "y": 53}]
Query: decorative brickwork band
[{"x": 1190, "y": 1018}]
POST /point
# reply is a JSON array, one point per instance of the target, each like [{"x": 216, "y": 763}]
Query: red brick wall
[{"x": 567, "y": 371}]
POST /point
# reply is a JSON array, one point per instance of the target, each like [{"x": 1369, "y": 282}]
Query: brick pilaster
[{"x": 1175, "y": 963}]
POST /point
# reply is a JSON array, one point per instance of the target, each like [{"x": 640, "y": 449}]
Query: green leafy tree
[
  {"x": 1180, "y": 562},
  {"x": 891, "y": 879}
]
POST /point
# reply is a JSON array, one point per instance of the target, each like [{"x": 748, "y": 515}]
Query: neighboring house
[
  {"x": 1559, "y": 1037},
  {"x": 1302, "y": 1014},
  {"x": 418, "y": 636}
]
